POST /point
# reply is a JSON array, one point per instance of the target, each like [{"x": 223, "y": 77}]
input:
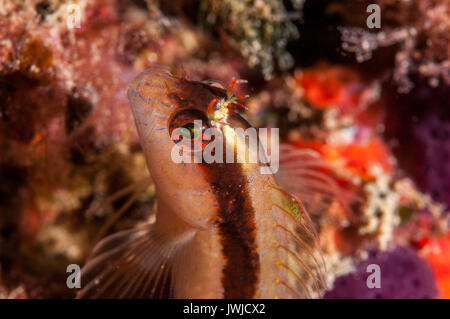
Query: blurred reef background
[{"x": 373, "y": 103}]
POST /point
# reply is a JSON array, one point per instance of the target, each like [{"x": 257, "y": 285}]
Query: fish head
[{"x": 172, "y": 116}]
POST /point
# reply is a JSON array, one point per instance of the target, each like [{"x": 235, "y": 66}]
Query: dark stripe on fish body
[{"x": 236, "y": 229}]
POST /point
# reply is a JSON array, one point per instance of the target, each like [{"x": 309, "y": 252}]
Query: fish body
[{"x": 222, "y": 230}]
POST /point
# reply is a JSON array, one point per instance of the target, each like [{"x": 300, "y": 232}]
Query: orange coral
[
  {"x": 325, "y": 86},
  {"x": 358, "y": 158},
  {"x": 436, "y": 252}
]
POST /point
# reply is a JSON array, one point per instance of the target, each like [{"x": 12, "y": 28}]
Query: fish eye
[
  {"x": 189, "y": 126},
  {"x": 190, "y": 131}
]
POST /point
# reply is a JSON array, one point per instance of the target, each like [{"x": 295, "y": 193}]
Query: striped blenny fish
[{"x": 222, "y": 230}]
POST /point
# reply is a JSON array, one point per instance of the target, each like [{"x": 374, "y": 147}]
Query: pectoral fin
[
  {"x": 130, "y": 264},
  {"x": 299, "y": 245},
  {"x": 306, "y": 174}
]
